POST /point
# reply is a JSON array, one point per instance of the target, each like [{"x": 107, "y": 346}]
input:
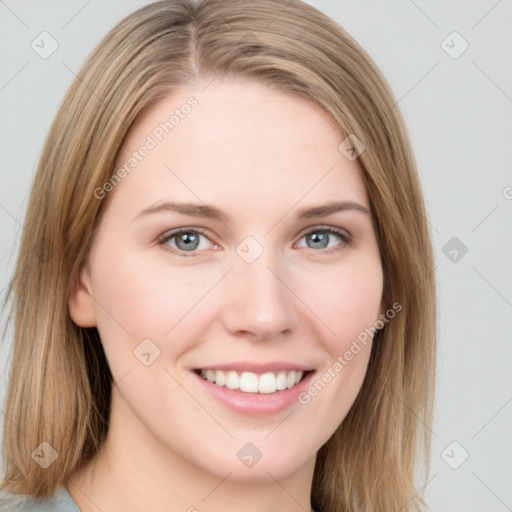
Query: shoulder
[{"x": 61, "y": 501}]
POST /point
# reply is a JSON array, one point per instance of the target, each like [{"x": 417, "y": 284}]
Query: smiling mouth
[{"x": 250, "y": 382}]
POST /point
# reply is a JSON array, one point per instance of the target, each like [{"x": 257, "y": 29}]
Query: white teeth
[
  {"x": 281, "y": 381},
  {"x": 220, "y": 378},
  {"x": 267, "y": 383},
  {"x": 232, "y": 380},
  {"x": 290, "y": 379},
  {"x": 249, "y": 382}
]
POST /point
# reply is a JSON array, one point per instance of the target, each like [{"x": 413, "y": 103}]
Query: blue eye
[
  {"x": 325, "y": 238},
  {"x": 185, "y": 240}
]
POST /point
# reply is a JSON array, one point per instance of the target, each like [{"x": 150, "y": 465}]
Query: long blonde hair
[{"x": 60, "y": 384}]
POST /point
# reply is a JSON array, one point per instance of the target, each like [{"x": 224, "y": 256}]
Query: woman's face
[{"x": 238, "y": 247}]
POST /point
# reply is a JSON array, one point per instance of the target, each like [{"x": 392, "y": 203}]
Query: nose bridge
[{"x": 258, "y": 301}]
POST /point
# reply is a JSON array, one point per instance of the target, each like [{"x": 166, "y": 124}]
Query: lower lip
[{"x": 256, "y": 404}]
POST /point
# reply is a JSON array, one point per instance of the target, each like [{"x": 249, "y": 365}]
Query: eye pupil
[
  {"x": 319, "y": 239},
  {"x": 187, "y": 241}
]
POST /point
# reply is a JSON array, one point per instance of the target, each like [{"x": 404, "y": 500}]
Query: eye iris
[
  {"x": 187, "y": 241},
  {"x": 319, "y": 240}
]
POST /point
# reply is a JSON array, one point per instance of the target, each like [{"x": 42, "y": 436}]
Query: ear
[{"x": 81, "y": 304}]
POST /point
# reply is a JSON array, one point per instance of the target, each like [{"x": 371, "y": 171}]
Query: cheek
[
  {"x": 347, "y": 301},
  {"x": 140, "y": 298},
  {"x": 348, "y": 304}
]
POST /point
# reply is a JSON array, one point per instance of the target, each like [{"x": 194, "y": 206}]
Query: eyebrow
[
  {"x": 191, "y": 209},
  {"x": 334, "y": 207},
  {"x": 211, "y": 212}
]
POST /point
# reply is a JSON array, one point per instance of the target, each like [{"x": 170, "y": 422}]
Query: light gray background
[{"x": 459, "y": 116}]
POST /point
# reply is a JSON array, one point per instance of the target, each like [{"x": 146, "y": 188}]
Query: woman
[{"x": 235, "y": 303}]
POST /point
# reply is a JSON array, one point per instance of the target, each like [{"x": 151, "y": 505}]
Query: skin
[{"x": 260, "y": 156}]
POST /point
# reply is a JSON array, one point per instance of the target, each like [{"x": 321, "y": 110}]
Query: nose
[{"x": 258, "y": 300}]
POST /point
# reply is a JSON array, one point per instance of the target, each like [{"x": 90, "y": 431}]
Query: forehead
[{"x": 248, "y": 139}]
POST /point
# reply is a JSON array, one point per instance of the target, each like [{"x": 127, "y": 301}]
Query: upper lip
[{"x": 248, "y": 366}]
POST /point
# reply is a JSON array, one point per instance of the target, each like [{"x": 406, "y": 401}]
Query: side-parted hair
[{"x": 60, "y": 383}]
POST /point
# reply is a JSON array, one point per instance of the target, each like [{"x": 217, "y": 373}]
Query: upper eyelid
[{"x": 321, "y": 227}]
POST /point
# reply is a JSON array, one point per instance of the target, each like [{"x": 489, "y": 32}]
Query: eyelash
[{"x": 346, "y": 239}]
